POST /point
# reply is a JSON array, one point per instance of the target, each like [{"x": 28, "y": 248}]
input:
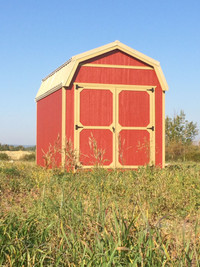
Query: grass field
[{"x": 148, "y": 217}]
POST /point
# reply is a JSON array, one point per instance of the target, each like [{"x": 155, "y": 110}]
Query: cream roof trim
[{"x": 63, "y": 75}]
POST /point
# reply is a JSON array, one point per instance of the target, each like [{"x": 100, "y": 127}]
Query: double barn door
[{"x": 114, "y": 125}]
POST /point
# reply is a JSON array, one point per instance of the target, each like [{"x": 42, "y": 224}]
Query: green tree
[
  {"x": 180, "y": 134},
  {"x": 178, "y": 129}
]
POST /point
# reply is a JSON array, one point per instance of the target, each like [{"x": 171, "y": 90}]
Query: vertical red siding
[
  {"x": 116, "y": 76},
  {"x": 49, "y": 119},
  {"x": 117, "y": 57}
]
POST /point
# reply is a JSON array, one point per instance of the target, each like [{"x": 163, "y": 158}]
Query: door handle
[{"x": 113, "y": 128}]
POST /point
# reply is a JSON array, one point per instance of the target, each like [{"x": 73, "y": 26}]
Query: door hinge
[
  {"x": 151, "y": 128},
  {"x": 152, "y": 90},
  {"x": 77, "y": 127},
  {"x": 78, "y": 87}
]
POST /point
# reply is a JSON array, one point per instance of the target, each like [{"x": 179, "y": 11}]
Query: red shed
[{"x": 110, "y": 102}]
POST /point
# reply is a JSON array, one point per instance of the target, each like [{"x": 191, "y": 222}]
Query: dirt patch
[{"x": 16, "y": 155}]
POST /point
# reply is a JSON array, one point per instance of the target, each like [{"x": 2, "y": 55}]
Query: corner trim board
[
  {"x": 163, "y": 129},
  {"x": 63, "y": 125}
]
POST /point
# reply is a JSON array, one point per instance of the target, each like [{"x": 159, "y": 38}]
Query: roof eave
[{"x": 52, "y": 90}]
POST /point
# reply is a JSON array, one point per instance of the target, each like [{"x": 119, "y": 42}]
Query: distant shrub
[
  {"x": 30, "y": 148},
  {"x": 177, "y": 151},
  {"x": 4, "y": 156},
  {"x": 193, "y": 156},
  {"x": 28, "y": 157}
]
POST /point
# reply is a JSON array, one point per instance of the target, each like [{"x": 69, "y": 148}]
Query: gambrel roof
[{"x": 63, "y": 75}]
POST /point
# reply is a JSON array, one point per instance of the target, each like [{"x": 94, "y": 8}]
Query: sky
[{"x": 37, "y": 36}]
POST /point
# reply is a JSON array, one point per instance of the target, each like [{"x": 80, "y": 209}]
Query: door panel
[
  {"x": 96, "y": 107},
  {"x": 134, "y": 108},
  {"x": 96, "y": 146},
  {"x": 134, "y": 147}
]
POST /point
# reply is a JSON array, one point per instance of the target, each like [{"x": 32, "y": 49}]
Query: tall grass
[{"x": 148, "y": 217}]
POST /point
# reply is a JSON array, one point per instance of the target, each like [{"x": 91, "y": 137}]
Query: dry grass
[{"x": 16, "y": 155}]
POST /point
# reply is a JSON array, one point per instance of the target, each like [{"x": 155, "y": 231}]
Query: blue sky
[{"x": 38, "y": 36}]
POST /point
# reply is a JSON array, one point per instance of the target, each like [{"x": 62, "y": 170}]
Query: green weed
[
  {"x": 28, "y": 157},
  {"x": 148, "y": 217},
  {"x": 4, "y": 156}
]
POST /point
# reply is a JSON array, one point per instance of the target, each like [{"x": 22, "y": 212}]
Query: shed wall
[{"x": 49, "y": 123}]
